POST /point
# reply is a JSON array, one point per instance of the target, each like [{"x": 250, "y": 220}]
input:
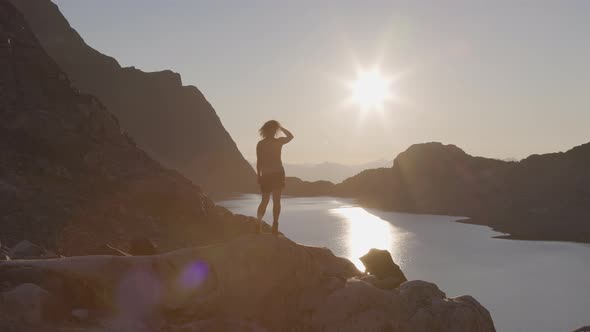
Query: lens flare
[{"x": 194, "y": 275}]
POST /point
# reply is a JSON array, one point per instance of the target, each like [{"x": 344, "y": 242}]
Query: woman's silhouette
[{"x": 269, "y": 167}]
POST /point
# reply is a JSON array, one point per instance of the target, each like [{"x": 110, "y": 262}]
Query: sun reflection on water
[{"x": 366, "y": 231}]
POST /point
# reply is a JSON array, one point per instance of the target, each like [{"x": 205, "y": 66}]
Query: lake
[{"x": 526, "y": 285}]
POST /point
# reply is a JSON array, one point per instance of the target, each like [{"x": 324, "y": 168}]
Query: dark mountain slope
[
  {"x": 428, "y": 178},
  {"x": 371, "y": 186},
  {"x": 173, "y": 123},
  {"x": 541, "y": 197},
  {"x": 70, "y": 179},
  {"x": 545, "y": 196}
]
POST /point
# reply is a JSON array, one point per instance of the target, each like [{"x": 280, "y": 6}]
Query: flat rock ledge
[{"x": 252, "y": 283}]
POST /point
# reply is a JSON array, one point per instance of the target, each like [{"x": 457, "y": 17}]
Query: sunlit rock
[{"x": 269, "y": 282}]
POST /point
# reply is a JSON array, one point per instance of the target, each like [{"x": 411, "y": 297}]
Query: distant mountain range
[
  {"x": 328, "y": 171},
  {"x": 175, "y": 124}
]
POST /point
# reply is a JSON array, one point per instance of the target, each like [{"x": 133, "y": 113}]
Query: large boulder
[
  {"x": 332, "y": 265},
  {"x": 417, "y": 306},
  {"x": 426, "y": 308},
  {"x": 29, "y": 304},
  {"x": 26, "y": 249},
  {"x": 380, "y": 264},
  {"x": 357, "y": 306}
]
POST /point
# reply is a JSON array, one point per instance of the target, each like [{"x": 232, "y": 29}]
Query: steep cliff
[
  {"x": 69, "y": 178},
  {"x": 175, "y": 124}
]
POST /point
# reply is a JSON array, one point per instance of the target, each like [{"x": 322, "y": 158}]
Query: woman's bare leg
[
  {"x": 276, "y": 210},
  {"x": 262, "y": 209}
]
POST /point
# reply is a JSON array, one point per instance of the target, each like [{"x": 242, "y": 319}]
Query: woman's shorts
[{"x": 272, "y": 181}]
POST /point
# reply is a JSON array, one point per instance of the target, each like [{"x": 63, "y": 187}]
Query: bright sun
[{"x": 371, "y": 90}]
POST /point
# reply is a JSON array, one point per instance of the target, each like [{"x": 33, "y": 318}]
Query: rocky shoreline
[{"x": 251, "y": 283}]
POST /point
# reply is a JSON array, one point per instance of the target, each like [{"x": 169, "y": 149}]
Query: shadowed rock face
[
  {"x": 175, "y": 124},
  {"x": 297, "y": 187},
  {"x": 70, "y": 179},
  {"x": 252, "y": 283},
  {"x": 541, "y": 197},
  {"x": 380, "y": 264}
]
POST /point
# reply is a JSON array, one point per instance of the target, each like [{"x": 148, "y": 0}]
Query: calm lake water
[{"x": 526, "y": 285}]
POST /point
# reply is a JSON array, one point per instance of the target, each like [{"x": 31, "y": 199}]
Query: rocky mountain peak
[{"x": 427, "y": 152}]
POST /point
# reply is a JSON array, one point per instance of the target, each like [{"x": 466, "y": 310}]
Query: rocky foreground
[{"x": 252, "y": 283}]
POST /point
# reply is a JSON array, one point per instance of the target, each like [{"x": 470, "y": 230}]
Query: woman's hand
[{"x": 288, "y": 134}]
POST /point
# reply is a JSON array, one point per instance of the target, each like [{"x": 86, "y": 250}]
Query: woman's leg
[
  {"x": 276, "y": 210},
  {"x": 262, "y": 209}
]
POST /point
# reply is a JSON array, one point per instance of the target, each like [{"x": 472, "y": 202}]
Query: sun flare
[
  {"x": 366, "y": 231},
  {"x": 371, "y": 90}
]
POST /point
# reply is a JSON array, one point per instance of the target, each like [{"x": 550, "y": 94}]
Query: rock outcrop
[
  {"x": 25, "y": 249},
  {"x": 175, "y": 124},
  {"x": 297, "y": 187},
  {"x": 384, "y": 273},
  {"x": 230, "y": 286},
  {"x": 70, "y": 179}
]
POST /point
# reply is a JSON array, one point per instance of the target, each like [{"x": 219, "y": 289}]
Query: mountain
[
  {"x": 70, "y": 179},
  {"x": 545, "y": 196},
  {"x": 540, "y": 197},
  {"x": 175, "y": 124},
  {"x": 328, "y": 171},
  {"x": 297, "y": 187}
]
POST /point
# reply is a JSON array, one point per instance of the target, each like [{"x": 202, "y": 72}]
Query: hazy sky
[{"x": 497, "y": 78}]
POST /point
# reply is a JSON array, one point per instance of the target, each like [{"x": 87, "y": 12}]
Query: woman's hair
[{"x": 269, "y": 129}]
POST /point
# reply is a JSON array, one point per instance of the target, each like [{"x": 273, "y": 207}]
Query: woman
[{"x": 269, "y": 167}]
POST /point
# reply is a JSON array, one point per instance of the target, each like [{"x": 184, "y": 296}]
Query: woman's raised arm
[{"x": 288, "y": 134}]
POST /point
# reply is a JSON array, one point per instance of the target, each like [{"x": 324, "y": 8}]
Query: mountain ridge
[
  {"x": 328, "y": 171},
  {"x": 71, "y": 180},
  {"x": 172, "y": 122},
  {"x": 544, "y": 196}
]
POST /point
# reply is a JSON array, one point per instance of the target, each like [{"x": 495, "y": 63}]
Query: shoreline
[{"x": 506, "y": 235}]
